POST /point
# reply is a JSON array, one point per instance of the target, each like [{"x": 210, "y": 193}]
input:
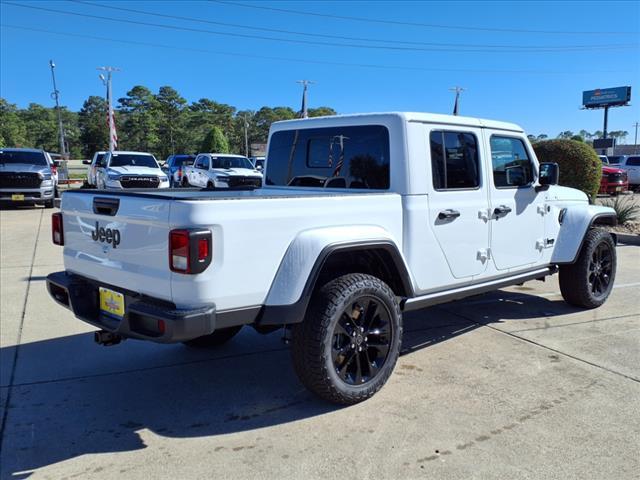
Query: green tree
[
  {"x": 619, "y": 135},
  {"x": 579, "y": 165},
  {"x": 565, "y": 134},
  {"x": 41, "y": 127},
  {"x": 266, "y": 116},
  {"x": 215, "y": 142},
  {"x": 203, "y": 115},
  {"x": 139, "y": 124},
  {"x": 12, "y": 129},
  {"x": 92, "y": 121},
  {"x": 577, "y": 138},
  {"x": 172, "y": 122},
  {"x": 321, "y": 112}
]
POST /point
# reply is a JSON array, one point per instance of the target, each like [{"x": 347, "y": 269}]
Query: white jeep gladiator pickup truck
[{"x": 363, "y": 217}]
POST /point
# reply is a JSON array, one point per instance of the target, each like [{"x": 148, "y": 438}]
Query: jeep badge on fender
[{"x": 108, "y": 235}]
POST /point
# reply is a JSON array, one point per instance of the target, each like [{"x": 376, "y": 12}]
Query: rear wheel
[
  {"x": 349, "y": 342},
  {"x": 588, "y": 282},
  {"x": 48, "y": 203},
  {"x": 210, "y": 186},
  {"x": 185, "y": 182},
  {"x": 219, "y": 337}
]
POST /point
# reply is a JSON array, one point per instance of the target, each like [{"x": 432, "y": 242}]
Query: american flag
[
  {"x": 111, "y": 122},
  {"x": 341, "y": 139}
]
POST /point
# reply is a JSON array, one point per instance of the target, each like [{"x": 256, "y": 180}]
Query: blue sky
[{"x": 537, "y": 57}]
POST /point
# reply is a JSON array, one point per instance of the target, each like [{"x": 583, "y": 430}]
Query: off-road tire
[
  {"x": 313, "y": 339},
  {"x": 215, "y": 339},
  {"x": 185, "y": 182},
  {"x": 576, "y": 279},
  {"x": 49, "y": 203}
]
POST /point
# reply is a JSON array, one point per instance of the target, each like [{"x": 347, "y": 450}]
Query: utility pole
[
  {"x": 246, "y": 136},
  {"x": 55, "y": 95},
  {"x": 305, "y": 86},
  {"x": 458, "y": 91},
  {"x": 111, "y": 121},
  {"x": 635, "y": 141}
]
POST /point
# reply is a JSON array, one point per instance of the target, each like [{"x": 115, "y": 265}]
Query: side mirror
[
  {"x": 259, "y": 168},
  {"x": 86, "y": 162},
  {"x": 549, "y": 175}
]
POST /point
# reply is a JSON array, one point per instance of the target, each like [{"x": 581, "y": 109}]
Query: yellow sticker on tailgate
[{"x": 111, "y": 302}]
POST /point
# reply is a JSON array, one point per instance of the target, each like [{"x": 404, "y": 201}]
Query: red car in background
[{"x": 614, "y": 180}]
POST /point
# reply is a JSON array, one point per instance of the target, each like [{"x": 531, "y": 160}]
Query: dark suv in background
[
  {"x": 27, "y": 176},
  {"x": 174, "y": 167}
]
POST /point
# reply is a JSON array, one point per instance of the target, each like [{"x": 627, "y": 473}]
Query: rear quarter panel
[{"x": 252, "y": 236}]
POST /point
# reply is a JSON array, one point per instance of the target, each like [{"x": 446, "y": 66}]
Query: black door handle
[
  {"x": 448, "y": 213},
  {"x": 502, "y": 210}
]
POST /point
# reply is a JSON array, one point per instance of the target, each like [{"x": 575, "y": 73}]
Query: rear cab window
[
  {"x": 332, "y": 157},
  {"x": 633, "y": 162}
]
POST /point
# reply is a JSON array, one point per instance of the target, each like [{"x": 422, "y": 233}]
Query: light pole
[
  {"x": 635, "y": 140},
  {"x": 246, "y": 136},
  {"x": 55, "y": 95},
  {"x": 305, "y": 86},
  {"x": 113, "y": 136}
]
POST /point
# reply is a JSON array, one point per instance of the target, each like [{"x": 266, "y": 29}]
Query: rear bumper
[{"x": 145, "y": 318}]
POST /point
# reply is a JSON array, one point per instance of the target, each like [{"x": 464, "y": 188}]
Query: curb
[{"x": 628, "y": 239}]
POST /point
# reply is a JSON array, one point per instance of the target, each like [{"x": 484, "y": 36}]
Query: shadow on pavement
[{"x": 54, "y": 421}]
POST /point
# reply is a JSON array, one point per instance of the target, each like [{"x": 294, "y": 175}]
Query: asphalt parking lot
[{"x": 512, "y": 384}]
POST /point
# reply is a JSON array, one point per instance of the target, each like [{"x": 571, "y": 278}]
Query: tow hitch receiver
[{"x": 102, "y": 337}]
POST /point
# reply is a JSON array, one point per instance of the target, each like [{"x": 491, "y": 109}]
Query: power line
[
  {"x": 285, "y": 40},
  {"x": 415, "y": 24},
  {"x": 309, "y": 61},
  {"x": 341, "y": 37}
]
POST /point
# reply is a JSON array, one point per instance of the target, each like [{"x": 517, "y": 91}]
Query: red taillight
[
  {"x": 54, "y": 169},
  {"x": 57, "y": 231},
  {"x": 180, "y": 172},
  {"x": 189, "y": 250},
  {"x": 203, "y": 249},
  {"x": 179, "y": 251}
]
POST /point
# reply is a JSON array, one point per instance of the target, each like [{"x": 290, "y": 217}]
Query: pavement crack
[
  {"x": 546, "y": 327},
  {"x": 559, "y": 352},
  {"x": 16, "y": 351}
]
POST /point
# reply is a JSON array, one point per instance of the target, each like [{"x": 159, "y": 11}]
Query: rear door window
[{"x": 454, "y": 160}]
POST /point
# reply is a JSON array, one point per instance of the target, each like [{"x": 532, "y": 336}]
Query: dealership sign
[{"x": 606, "y": 97}]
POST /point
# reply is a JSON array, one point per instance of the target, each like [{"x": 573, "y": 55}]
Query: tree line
[
  {"x": 161, "y": 123},
  {"x": 583, "y": 136}
]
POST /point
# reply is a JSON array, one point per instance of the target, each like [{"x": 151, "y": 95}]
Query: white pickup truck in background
[
  {"x": 362, "y": 218},
  {"x": 118, "y": 170},
  {"x": 219, "y": 170}
]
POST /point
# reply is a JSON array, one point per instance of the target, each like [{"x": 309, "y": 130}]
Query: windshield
[
  {"x": 124, "y": 160},
  {"x": 615, "y": 159},
  {"x": 32, "y": 158},
  {"x": 231, "y": 162},
  {"x": 603, "y": 159}
]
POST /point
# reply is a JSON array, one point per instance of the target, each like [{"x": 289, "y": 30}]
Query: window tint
[
  {"x": 232, "y": 162},
  {"x": 512, "y": 166},
  {"x": 633, "y": 161},
  {"x": 205, "y": 163},
  {"x": 125, "y": 159},
  {"x": 338, "y": 157},
  {"x": 615, "y": 159},
  {"x": 17, "y": 156},
  {"x": 454, "y": 160}
]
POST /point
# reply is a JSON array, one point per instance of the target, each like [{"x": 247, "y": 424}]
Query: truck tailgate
[{"x": 128, "y": 250}]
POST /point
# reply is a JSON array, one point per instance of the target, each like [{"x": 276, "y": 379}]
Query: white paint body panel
[{"x": 266, "y": 241}]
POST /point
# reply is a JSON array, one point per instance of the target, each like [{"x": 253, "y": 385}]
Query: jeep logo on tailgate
[{"x": 109, "y": 235}]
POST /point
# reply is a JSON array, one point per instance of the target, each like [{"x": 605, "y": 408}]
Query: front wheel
[
  {"x": 185, "y": 182},
  {"x": 588, "y": 282},
  {"x": 348, "y": 344}
]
